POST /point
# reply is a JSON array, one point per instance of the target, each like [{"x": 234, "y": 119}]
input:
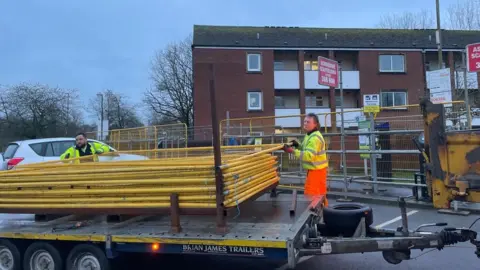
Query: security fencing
[
  {"x": 380, "y": 150},
  {"x": 145, "y": 138}
]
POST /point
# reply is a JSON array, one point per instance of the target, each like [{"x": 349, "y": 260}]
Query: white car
[
  {"x": 40, "y": 150},
  {"x": 3, "y": 164}
]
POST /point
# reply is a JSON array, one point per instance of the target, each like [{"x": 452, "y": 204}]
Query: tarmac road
[{"x": 459, "y": 257}]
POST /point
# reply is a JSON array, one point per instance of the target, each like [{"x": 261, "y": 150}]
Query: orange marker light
[{"x": 155, "y": 247}]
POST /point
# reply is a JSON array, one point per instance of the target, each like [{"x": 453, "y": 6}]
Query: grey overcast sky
[{"x": 92, "y": 45}]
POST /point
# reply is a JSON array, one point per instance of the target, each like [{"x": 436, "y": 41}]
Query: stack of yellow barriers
[{"x": 188, "y": 172}]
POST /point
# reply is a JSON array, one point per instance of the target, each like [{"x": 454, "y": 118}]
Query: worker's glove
[
  {"x": 295, "y": 143},
  {"x": 287, "y": 149},
  {"x": 67, "y": 155}
]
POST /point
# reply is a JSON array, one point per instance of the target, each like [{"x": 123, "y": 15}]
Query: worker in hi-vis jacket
[
  {"x": 312, "y": 154},
  {"x": 84, "y": 148}
]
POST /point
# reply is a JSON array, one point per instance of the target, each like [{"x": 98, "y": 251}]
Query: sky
[{"x": 92, "y": 45}]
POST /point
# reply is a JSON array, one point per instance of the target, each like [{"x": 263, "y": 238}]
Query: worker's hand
[
  {"x": 67, "y": 155},
  {"x": 295, "y": 143},
  {"x": 287, "y": 149}
]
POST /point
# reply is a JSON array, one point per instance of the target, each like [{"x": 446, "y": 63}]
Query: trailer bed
[
  {"x": 260, "y": 228},
  {"x": 264, "y": 228}
]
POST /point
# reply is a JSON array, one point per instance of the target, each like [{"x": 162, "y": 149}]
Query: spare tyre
[{"x": 343, "y": 218}]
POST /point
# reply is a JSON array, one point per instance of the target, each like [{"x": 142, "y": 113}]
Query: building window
[
  {"x": 338, "y": 102},
  {"x": 254, "y": 62},
  {"x": 254, "y": 101},
  {"x": 313, "y": 101},
  {"x": 392, "y": 63},
  {"x": 310, "y": 65},
  {"x": 278, "y": 65},
  {"x": 279, "y": 102},
  {"x": 392, "y": 99}
]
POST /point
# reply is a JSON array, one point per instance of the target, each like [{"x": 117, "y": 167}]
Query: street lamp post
[{"x": 100, "y": 95}]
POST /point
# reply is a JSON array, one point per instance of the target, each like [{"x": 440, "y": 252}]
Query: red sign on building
[
  {"x": 473, "y": 57},
  {"x": 327, "y": 72}
]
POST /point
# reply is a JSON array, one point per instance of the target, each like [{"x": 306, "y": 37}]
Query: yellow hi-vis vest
[
  {"x": 95, "y": 148},
  {"x": 312, "y": 153}
]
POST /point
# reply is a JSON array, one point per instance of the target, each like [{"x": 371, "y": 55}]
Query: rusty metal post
[
  {"x": 293, "y": 207},
  {"x": 175, "y": 213},
  {"x": 221, "y": 217},
  {"x": 403, "y": 210}
]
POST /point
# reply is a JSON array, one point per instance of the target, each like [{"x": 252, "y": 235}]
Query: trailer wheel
[
  {"x": 41, "y": 255},
  {"x": 343, "y": 218},
  {"x": 85, "y": 256},
  {"x": 9, "y": 256}
]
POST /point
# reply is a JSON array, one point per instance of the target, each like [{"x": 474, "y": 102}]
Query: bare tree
[
  {"x": 118, "y": 110},
  {"x": 408, "y": 20},
  {"x": 464, "y": 15},
  {"x": 172, "y": 94},
  {"x": 459, "y": 85},
  {"x": 36, "y": 111},
  {"x": 155, "y": 119}
]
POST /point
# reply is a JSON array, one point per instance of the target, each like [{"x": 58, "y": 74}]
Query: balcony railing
[
  {"x": 286, "y": 79},
  {"x": 287, "y": 122},
  {"x": 287, "y": 118},
  {"x": 351, "y": 80}
]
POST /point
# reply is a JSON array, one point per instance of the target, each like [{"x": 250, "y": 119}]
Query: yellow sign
[{"x": 371, "y": 109}]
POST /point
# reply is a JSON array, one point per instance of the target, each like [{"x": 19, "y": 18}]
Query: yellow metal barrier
[{"x": 141, "y": 183}]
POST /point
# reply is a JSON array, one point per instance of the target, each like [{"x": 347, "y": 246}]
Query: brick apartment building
[{"x": 272, "y": 71}]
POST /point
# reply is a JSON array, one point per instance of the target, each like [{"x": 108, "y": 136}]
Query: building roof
[{"x": 296, "y": 37}]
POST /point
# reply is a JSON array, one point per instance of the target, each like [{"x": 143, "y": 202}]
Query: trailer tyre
[
  {"x": 343, "y": 218},
  {"x": 9, "y": 256},
  {"x": 41, "y": 255},
  {"x": 85, "y": 255}
]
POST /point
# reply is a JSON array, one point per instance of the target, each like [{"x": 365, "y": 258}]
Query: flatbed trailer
[{"x": 278, "y": 226}]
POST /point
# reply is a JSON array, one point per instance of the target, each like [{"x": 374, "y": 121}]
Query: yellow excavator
[{"x": 452, "y": 159}]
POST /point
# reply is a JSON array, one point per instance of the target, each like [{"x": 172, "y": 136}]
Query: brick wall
[{"x": 232, "y": 84}]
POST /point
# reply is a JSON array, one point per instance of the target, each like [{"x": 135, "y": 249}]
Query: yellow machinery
[{"x": 453, "y": 159}]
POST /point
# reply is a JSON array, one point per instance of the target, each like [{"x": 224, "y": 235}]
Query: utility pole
[
  {"x": 342, "y": 138},
  {"x": 439, "y": 37}
]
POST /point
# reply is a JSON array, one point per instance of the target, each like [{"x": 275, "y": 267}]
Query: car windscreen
[{"x": 10, "y": 151}]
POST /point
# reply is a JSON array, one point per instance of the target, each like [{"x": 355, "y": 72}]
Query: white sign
[
  {"x": 439, "y": 83},
  {"x": 371, "y": 100},
  {"x": 371, "y": 103},
  {"x": 360, "y": 118}
]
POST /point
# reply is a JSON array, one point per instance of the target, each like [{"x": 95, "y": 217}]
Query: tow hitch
[{"x": 396, "y": 245}]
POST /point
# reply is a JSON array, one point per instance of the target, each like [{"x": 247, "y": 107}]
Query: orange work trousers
[{"x": 316, "y": 184}]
